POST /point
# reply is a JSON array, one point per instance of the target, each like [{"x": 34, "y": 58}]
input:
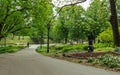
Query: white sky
[{"x": 60, "y": 3}]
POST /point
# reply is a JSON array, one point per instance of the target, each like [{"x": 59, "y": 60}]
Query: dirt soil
[
  {"x": 89, "y": 54},
  {"x": 82, "y": 58}
]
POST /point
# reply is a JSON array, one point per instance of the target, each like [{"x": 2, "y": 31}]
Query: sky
[{"x": 60, "y": 3}]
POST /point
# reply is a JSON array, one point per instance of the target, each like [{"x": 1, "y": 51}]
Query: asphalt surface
[{"x": 28, "y": 62}]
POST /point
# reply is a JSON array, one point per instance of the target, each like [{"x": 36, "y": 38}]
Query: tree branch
[{"x": 65, "y": 6}]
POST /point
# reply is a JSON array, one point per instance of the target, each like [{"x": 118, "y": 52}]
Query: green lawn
[
  {"x": 16, "y": 41},
  {"x": 10, "y": 49},
  {"x": 13, "y": 45}
]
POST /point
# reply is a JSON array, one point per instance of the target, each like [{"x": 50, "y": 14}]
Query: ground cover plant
[
  {"x": 106, "y": 60},
  {"x": 10, "y": 49}
]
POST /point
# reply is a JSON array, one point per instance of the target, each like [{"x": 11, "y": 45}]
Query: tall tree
[
  {"x": 12, "y": 14},
  {"x": 41, "y": 14},
  {"x": 96, "y": 20},
  {"x": 114, "y": 22},
  {"x": 77, "y": 26}
]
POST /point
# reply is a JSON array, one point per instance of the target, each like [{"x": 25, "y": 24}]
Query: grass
[
  {"x": 104, "y": 49},
  {"x": 65, "y": 48},
  {"x": 15, "y": 41},
  {"x": 13, "y": 45},
  {"x": 10, "y": 49},
  {"x": 62, "y": 49}
]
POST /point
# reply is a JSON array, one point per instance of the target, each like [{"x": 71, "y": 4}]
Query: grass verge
[{"x": 10, "y": 49}]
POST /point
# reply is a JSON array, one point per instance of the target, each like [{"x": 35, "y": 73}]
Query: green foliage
[
  {"x": 106, "y": 36},
  {"x": 41, "y": 50},
  {"x": 96, "y": 20},
  {"x": 24, "y": 16},
  {"x": 91, "y": 60},
  {"x": 118, "y": 10},
  {"x": 13, "y": 14},
  {"x": 63, "y": 49},
  {"x": 10, "y": 49},
  {"x": 74, "y": 23},
  {"x": 69, "y": 24},
  {"x": 41, "y": 15},
  {"x": 117, "y": 49},
  {"x": 106, "y": 60},
  {"x": 72, "y": 48},
  {"x": 105, "y": 47}
]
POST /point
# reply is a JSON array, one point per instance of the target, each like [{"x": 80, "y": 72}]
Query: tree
[
  {"x": 114, "y": 22},
  {"x": 77, "y": 26},
  {"x": 12, "y": 14},
  {"x": 118, "y": 10},
  {"x": 41, "y": 13},
  {"x": 96, "y": 20}
]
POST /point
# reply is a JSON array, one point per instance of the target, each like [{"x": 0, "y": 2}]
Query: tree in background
[
  {"x": 97, "y": 17},
  {"x": 41, "y": 14},
  {"x": 77, "y": 26}
]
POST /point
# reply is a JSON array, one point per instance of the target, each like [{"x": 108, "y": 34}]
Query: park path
[{"x": 28, "y": 62}]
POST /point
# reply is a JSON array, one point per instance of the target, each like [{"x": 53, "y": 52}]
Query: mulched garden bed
[
  {"x": 81, "y": 58},
  {"x": 88, "y": 54}
]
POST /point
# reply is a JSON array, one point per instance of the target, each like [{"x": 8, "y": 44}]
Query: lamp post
[{"x": 48, "y": 36}]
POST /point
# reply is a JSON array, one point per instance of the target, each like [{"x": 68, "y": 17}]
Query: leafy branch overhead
[{"x": 71, "y": 4}]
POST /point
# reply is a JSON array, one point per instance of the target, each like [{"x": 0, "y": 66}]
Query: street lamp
[{"x": 48, "y": 36}]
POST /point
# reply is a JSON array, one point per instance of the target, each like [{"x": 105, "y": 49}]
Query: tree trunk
[
  {"x": 41, "y": 40},
  {"x": 114, "y": 23},
  {"x": 12, "y": 36},
  {"x": 48, "y": 37},
  {"x": 77, "y": 41},
  {"x": 5, "y": 42},
  {"x": 66, "y": 40},
  {"x": 23, "y": 37},
  {"x": 18, "y": 37}
]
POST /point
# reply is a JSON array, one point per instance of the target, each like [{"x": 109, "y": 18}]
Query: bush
[
  {"x": 60, "y": 47},
  {"x": 107, "y": 33},
  {"x": 117, "y": 49},
  {"x": 107, "y": 60},
  {"x": 91, "y": 60}
]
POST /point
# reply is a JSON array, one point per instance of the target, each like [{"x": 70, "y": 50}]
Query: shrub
[
  {"x": 103, "y": 45},
  {"x": 117, "y": 49},
  {"x": 91, "y": 60},
  {"x": 59, "y": 47},
  {"x": 107, "y": 60},
  {"x": 107, "y": 33},
  {"x": 10, "y": 49}
]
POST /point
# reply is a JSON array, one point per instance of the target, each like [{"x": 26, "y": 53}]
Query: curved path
[{"x": 28, "y": 62}]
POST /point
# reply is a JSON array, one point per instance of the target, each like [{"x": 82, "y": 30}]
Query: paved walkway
[{"x": 28, "y": 62}]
